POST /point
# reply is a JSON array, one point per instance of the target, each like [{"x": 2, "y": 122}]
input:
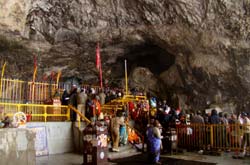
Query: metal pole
[
  {"x": 3, "y": 69},
  {"x": 33, "y": 85},
  {"x": 126, "y": 78},
  {"x": 57, "y": 79}
]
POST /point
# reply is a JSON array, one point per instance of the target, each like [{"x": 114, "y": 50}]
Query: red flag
[
  {"x": 98, "y": 59},
  {"x": 98, "y": 63}
]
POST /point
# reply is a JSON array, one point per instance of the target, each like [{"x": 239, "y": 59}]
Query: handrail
[
  {"x": 135, "y": 96},
  {"x": 79, "y": 113}
]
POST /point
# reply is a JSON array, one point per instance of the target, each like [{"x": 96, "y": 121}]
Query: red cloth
[
  {"x": 97, "y": 107},
  {"x": 28, "y": 117},
  {"x": 131, "y": 106},
  {"x": 98, "y": 57}
]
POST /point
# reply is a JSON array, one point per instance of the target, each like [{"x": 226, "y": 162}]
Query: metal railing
[
  {"x": 37, "y": 112},
  {"x": 17, "y": 91},
  {"x": 212, "y": 136},
  {"x": 14, "y": 100},
  {"x": 120, "y": 102},
  {"x": 80, "y": 114}
]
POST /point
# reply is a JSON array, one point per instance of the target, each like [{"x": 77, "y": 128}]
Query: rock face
[{"x": 197, "y": 50}]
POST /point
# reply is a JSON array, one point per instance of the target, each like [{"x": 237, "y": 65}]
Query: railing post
[
  {"x": 45, "y": 113},
  {"x": 2, "y": 79},
  {"x": 211, "y": 135},
  {"x": 68, "y": 113},
  {"x": 18, "y": 108}
]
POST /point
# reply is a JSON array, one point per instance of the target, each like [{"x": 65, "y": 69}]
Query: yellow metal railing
[
  {"x": 120, "y": 102},
  {"x": 212, "y": 136},
  {"x": 134, "y": 97},
  {"x": 17, "y": 91},
  {"x": 80, "y": 114},
  {"x": 38, "y": 112},
  {"x": 45, "y": 112}
]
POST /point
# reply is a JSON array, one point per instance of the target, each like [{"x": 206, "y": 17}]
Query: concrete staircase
[
  {"x": 78, "y": 135},
  {"x": 125, "y": 151}
]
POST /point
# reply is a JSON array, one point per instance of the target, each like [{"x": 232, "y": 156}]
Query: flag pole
[
  {"x": 3, "y": 69},
  {"x": 33, "y": 80},
  {"x": 57, "y": 79},
  {"x": 126, "y": 77}
]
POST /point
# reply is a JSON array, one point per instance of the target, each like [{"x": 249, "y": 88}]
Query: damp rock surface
[{"x": 196, "y": 50}]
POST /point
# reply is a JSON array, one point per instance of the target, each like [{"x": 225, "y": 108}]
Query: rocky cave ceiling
[{"x": 196, "y": 51}]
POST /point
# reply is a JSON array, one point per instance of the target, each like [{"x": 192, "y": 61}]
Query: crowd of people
[
  {"x": 89, "y": 100},
  {"x": 153, "y": 118},
  {"x": 228, "y": 130}
]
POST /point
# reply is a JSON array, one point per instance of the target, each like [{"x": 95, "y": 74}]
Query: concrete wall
[
  {"x": 59, "y": 136},
  {"x": 21, "y": 145},
  {"x": 17, "y": 146},
  {"x": 78, "y": 137}
]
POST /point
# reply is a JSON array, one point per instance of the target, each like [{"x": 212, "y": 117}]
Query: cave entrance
[{"x": 149, "y": 55}]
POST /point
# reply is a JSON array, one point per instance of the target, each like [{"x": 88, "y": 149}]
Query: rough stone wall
[
  {"x": 13, "y": 14},
  {"x": 209, "y": 40},
  {"x": 17, "y": 146}
]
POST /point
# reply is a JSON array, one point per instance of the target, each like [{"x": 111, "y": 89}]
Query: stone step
[{"x": 124, "y": 151}]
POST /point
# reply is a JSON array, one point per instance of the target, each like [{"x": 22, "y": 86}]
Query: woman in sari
[{"x": 154, "y": 139}]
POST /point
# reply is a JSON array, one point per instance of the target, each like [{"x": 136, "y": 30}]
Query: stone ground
[{"x": 138, "y": 158}]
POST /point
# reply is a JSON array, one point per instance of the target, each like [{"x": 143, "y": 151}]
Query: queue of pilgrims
[
  {"x": 153, "y": 113},
  {"x": 154, "y": 117}
]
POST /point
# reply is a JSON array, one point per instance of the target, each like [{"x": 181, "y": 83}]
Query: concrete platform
[
  {"x": 224, "y": 159},
  {"x": 180, "y": 159}
]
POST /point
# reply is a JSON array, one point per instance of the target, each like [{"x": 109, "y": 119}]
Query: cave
[
  {"x": 148, "y": 55},
  {"x": 191, "y": 47}
]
